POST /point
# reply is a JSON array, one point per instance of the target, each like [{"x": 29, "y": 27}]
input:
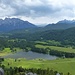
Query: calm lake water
[{"x": 30, "y": 55}]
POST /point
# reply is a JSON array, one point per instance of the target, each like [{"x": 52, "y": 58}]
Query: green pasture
[
  {"x": 60, "y": 65},
  {"x": 7, "y": 51},
  {"x": 63, "y": 49}
]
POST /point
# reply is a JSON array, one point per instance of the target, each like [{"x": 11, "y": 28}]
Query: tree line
[{"x": 30, "y": 71}]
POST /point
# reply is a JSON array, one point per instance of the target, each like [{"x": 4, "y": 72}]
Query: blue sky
[{"x": 38, "y": 11}]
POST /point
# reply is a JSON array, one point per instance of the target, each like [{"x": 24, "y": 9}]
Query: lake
[{"x": 30, "y": 55}]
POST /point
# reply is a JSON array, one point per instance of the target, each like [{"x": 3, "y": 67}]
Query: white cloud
[
  {"x": 33, "y": 2},
  {"x": 38, "y": 11},
  {"x": 6, "y": 10}
]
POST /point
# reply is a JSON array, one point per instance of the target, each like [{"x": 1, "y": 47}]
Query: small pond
[{"x": 30, "y": 55}]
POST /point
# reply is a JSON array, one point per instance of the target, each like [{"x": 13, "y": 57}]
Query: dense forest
[{"x": 66, "y": 37}]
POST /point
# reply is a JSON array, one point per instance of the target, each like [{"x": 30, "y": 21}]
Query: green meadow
[
  {"x": 63, "y": 49},
  {"x": 60, "y": 65},
  {"x": 7, "y": 51}
]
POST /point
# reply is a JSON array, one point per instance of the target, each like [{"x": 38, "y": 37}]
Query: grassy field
[
  {"x": 63, "y": 49},
  {"x": 7, "y": 51},
  {"x": 60, "y": 65}
]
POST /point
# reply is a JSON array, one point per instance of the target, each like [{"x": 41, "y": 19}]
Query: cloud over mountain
[{"x": 33, "y": 10}]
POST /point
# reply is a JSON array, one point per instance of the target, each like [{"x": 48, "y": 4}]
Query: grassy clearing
[
  {"x": 63, "y": 49},
  {"x": 61, "y": 65},
  {"x": 7, "y": 51},
  {"x": 41, "y": 42}
]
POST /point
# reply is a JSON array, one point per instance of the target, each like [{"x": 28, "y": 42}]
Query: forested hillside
[{"x": 64, "y": 36}]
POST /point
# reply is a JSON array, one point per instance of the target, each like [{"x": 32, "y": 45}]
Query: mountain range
[
  {"x": 9, "y": 24},
  {"x": 63, "y": 24},
  {"x": 63, "y": 31}
]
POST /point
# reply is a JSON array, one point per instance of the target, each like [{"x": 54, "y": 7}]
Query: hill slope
[{"x": 67, "y": 35}]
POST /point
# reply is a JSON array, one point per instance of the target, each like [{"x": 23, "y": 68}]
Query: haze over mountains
[{"x": 9, "y": 24}]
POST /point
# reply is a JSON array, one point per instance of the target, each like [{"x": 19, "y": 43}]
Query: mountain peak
[
  {"x": 63, "y": 24},
  {"x": 14, "y": 23},
  {"x": 66, "y": 21}
]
